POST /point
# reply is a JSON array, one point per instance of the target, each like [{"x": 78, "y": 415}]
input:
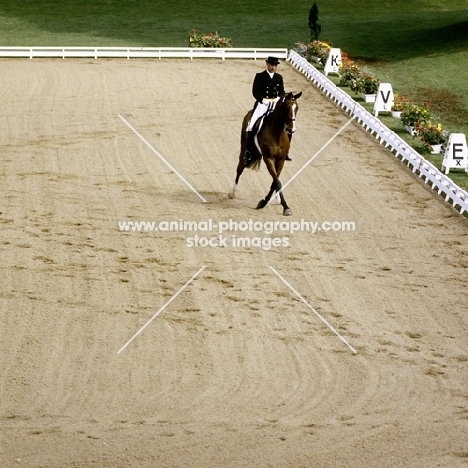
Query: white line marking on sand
[
  {"x": 312, "y": 158},
  {"x": 160, "y": 310},
  {"x": 313, "y": 310},
  {"x": 163, "y": 159}
]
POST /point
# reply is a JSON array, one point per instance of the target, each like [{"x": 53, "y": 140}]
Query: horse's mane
[{"x": 283, "y": 98}]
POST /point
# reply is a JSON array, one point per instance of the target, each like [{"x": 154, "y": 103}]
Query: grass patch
[
  {"x": 460, "y": 177},
  {"x": 148, "y": 23}
]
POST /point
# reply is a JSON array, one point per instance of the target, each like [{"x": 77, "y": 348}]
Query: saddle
[{"x": 253, "y": 147}]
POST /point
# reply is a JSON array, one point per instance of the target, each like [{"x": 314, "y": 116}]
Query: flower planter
[
  {"x": 396, "y": 114},
  {"x": 369, "y": 97},
  {"x": 436, "y": 149},
  {"x": 410, "y": 130}
]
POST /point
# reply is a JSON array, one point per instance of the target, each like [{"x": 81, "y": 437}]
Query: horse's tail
[{"x": 253, "y": 164}]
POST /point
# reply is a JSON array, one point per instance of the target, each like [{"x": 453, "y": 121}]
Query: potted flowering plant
[
  {"x": 349, "y": 72},
  {"x": 413, "y": 113},
  {"x": 318, "y": 51},
  {"x": 314, "y": 51},
  {"x": 301, "y": 49},
  {"x": 211, "y": 40},
  {"x": 367, "y": 85},
  {"x": 399, "y": 103},
  {"x": 432, "y": 135}
]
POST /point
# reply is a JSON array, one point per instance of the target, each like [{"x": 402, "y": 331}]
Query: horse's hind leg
[
  {"x": 240, "y": 170},
  {"x": 241, "y": 163}
]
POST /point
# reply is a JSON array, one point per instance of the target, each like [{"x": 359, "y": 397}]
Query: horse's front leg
[
  {"x": 286, "y": 210},
  {"x": 275, "y": 187},
  {"x": 275, "y": 168}
]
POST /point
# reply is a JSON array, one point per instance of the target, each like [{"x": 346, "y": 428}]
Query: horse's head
[{"x": 289, "y": 108}]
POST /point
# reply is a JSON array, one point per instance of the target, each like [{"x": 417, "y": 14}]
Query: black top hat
[{"x": 272, "y": 60}]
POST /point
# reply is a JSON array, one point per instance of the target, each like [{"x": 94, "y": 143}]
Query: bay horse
[{"x": 273, "y": 142}]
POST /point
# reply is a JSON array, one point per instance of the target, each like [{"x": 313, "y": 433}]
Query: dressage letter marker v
[
  {"x": 162, "y": 159},
  {"x": 313, "y": 310},
  {"x": 160, "y": 310}
]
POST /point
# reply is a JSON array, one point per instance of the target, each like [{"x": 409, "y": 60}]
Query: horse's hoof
[
  {"x": 232, "y": 195},
  {"x": 287, "y": 212},
  {"x": 261, "y": 204}
]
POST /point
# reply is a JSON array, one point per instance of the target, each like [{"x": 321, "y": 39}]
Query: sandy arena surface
[{"x": 237, "y": 370}]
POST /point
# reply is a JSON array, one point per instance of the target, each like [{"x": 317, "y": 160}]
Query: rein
[{"x": 270, "y": 115}]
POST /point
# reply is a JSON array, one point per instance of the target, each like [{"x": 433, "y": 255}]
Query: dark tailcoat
[{"x": 266, "y": 87}]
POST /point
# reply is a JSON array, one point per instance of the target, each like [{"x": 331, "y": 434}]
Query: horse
[{"x": 273, "y": 141}]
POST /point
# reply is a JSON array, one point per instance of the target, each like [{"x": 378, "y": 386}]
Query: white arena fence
[
  {"x": 141, "y": 52},
  {"x": 420, "y": 166}
]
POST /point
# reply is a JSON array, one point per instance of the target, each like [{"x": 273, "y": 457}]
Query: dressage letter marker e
[
  {"x": 456, "y": 154},
  {"x": 162, "y": 159}
]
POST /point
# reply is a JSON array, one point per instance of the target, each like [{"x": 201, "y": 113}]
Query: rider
[{"x": 267, "y": 87}]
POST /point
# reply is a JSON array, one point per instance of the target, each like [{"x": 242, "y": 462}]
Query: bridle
[{"x": 287, "y": 121}]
